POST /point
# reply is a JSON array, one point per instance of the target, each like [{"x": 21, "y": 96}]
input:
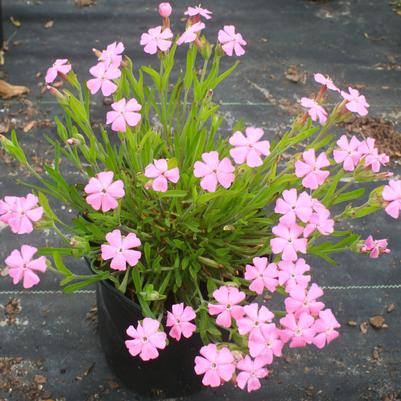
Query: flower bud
[{"x": 165, "y": 10}]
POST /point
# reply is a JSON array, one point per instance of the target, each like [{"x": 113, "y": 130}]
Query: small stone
[
  {"x": 352, "y": 323},
  {"x": 390, "y": 308},
  {"x": 376, "y": 321},
  {"x": 364, "y": 327}
]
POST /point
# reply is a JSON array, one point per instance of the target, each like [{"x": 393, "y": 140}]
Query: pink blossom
[
  {"x": 230, "y": 41},
  {"x": 197, "y": 10},
  {"x": 112, "y": 54},
  {"x": 124, "y": 113},
  {"x": 325, "y": 328},
  {"x": 228, "y": 307},
  {"x": 20, "y": 212},
  {"x": 374, "y": 247},
  {"x": 299, "y": 330},
  {"x": 119, "y": 250},
  {"x": 213, "y": 171},
  {"x": 161, "y": 174},
  {"x": 326, "y": 81},
  {"x": 292, "y": 274},
  {"x": 165, "y": 10},
  {"x": 311, "y": 169},
  {"x": 373, "y": 159},
  {"x": 190, "y": 33},
  {"x": 266, "y": 342},
  {"x": 292, "y": 206},
  {"x": 303, "y": 300},
  {"x": 262, "y": 275},
  {"x": 288, "y": 242},
  {"x": 179, "y": 319},
  {"x": 147, "y": 339},
  {"x": 251, "y": 372},
  {"x": 348, "y": 153},
  {"x": 217, "y": 365},
  {"x": 356, "y": 103},
  {"x": 315, "y": 111},
  {"x": 103, "y": 192},
  {"x": 60, "y": 66},
  {"x": 21, "y": 266},
  {"x": 104, "y": 74},
  {"x": 156, "y": 39},
  {"x": 320, "y": 221},
  {"x": 248, "y": 148},
  {"x": 253, "y": 318},
  {"x": 392, "y": 194}
]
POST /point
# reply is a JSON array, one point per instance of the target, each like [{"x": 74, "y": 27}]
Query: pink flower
[
  {"x": 288, "y": 242},
  {"x": 326, "y": 81},
  {"x": 146, "y": 339},
  {"x": 124, "y": 113},
  {"x": 262, "y": 275},
  {"x": 302, "y": 300},
  {"x": 299, "y": 330},
  {"x": 373, "y": 159},
  {"x": 190, "y": 33},
  {"x": 311, "y": 169},
  {"x": 254, "y": 318},
  {"x": 217, "y": 365},
  {"x": 292, "y": 206},
  {"x": 60, "y": 66},
  {"x": 325, "y": 328},
  {"x": 213, "y": 171},
  {"x": 320, "y": 221},
  {"x": 348, "y": 153},
  {"x": 266, "y": 342},
  {"x": 161, "y": 174},
  {"x": 156, "y": 39},
  {"x": 104, "y": 74},
  {"x": 392, "y": 194},
  {"x": 292, "y": 274},
  {"x": 119, "y": 250},
  {"x": 251, "y": 372},
  {"x": 315, "y": 111},
  {"x": 202, "y": 12},
  {"x": 165, "y": 10},
  {"x": 356, "y": 103},
  {"x": 374, "y": 247},
  {"x": 21, "y": 266},
  {"x": 103, "y": 192},
  {"x": 230, "y": 41},
  {"x": 179, "y": 319},
  {"x": 112, "y": 54},
  {"x": 249, "y": 148},
  {"x": 20, "y": 212},
  {"x": 228, "y": 307}
]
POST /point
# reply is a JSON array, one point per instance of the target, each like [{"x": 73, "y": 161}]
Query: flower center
[{"x": 213, "y": 365}]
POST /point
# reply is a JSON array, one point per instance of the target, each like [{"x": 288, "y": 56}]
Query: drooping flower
[
  {"x": 292, "y": 206},
  {"x": 190, "y": 33},
  {"x": 348, "y": 152},
  {"x": 356, "y": 103},
  {"x": 299, "y": 330},
  {"x": 104, "y": 75},
  {"x": 370, "y": 153},
  {"x": 230, "y": 41},
  {"x": 217, "y": 365},
  {"x": 253, "y": 318},
  {"x": 21, "y": 266},
  {"x": 20, "y": 212},
  {"x": 179, "y": 319},
  {"x": 392, "y": 194},
  {"x": 311, "y": 169},
  {"x": 161, "y": 174},
  {"x": 119, "y": 250},
  {"x": 251, "y": 372},
  {"x": 124, "y": 113},
  {"x": 302, "y": 300},
  {"x": 147, "y": 339},
  {"x": 324, "y": 328},
  {"x": 248, "y": 148},
  {"x": 287, "y": 241},
  {"x": 375, "y": 248},
  {"x": 266, "y": 342},
  {"x": 320, "y": 221},
  {"x": 197, "y": 10},
  {"x": 212, "y": 171},
  {"x": 292, "y": 274},
  {"x": 157, "y": 39},
  {"x": 103, "y": 192},
  {"x": 228, "y": 307},
  {"x": 315, "y": 111},
  {"x": 60, "y": 66},
  {"x": 262, "y": 275},
  {"x": 326, "y": 81},
  {"x": 165, "y": 10},
  {"x": 112, "y": 54}
]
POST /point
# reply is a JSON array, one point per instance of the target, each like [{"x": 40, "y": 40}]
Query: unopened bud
[
  {"x": 72, "y": 141},
  {"x": 165, "y": 10},
  {"x": 97, "y": 52},
  {"x": 55, "y": 92}
]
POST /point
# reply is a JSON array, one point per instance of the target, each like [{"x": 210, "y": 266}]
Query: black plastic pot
[{"x": 170, "y": 375}]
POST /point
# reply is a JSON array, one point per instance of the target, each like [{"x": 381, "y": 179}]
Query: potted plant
[{"x": 182, "y": 227}]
